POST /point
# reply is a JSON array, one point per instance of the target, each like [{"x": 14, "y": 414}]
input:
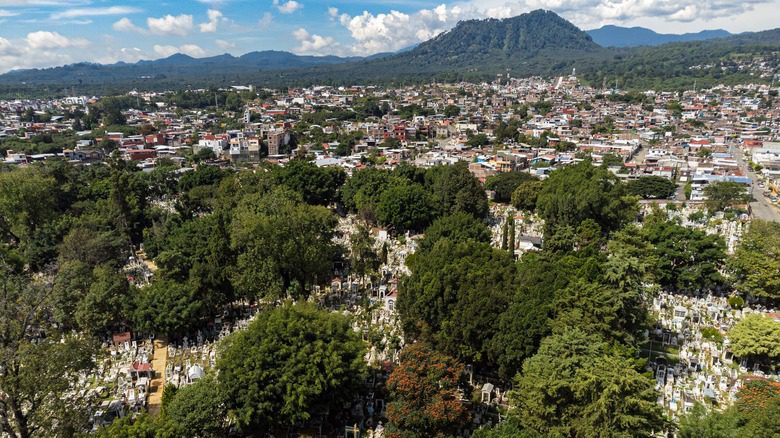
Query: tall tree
[
  {"x": 755, "y": 337},
  {"x": 405, "y": 207},
  {"x": 27, "y": 211},
  {"x": 454, "y": 295},
  {"x": 284, "y": 245},
  {"x": 39, "y": 366},
  {"x": 504, "y": 184},
  {"x": 652, "y": 187},
  {"x": 291, "y": 365},
  {"x": 574, "y": 387},
  {"x": 317, "y": 185},
  {"x": 756, "y": 261},
  {"x": 423, "y": 394},
  {"x": 458, "y": 227},
  {"x": 579, "y": 192},
  {"x": 455, "y": 189},
  {"x": 686, "y": 259},
  {"x": 363, "y": 257},
  {"x": 723, "y": 195}
]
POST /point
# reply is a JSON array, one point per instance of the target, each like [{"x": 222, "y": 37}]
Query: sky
[{"x": 45, "y": 33}]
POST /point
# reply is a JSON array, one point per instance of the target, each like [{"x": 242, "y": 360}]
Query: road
[{"x": 761, "y": 207}]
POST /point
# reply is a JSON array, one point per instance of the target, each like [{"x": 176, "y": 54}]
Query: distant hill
[
  {"x": 175, "y": 66},
  {"x": 616, "y": 36},
  {"x": 538, "y": 43}
]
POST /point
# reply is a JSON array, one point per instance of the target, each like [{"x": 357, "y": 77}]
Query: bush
[{"x": 736, "y": 302}]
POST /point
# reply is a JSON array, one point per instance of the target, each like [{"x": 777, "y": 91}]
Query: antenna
[{"x": 216, "y": 100}]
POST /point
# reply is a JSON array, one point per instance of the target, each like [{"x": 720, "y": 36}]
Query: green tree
[
  {"x": 168, "y": 307},
  {"x": 756, "y": 261},
  {"x": 405, "y": 207},
  {"x": 106, "y": 305},
  {"x": 199, "y": 410},
  {"x": 453, "y": 296},
  {"x": 755, "y": 337},
  {"x": 455, "y": 189},
  {"x": 504, "y": 184},
  {"x": 361, "y": 192},
  {"x": 27, "y": 212},
  {"x": 364, "y": 260},
  {"x": 423, "y": 394},
  {"x": 37, "y": 393},
  {"x": 652, "y": 187},
  {"x": 458, "y": 227},
  {"x": 723, "y": 195},
  {"x": 290, "y": 365},
  {"x": 582, "y": 191},
  {"x": 685, "y": 259},
  {"x": 526, "y": 193},
  {"x": 283, "y": 245},
  {"x": 573, "y": 387},
  {"x": 317, "y": 185}
]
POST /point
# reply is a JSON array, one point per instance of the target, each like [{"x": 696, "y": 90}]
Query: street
[{"x": 762, "y": 208}]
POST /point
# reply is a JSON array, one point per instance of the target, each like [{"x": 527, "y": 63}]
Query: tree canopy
[
  {"x": 293, "y": 364},
  {"x": 504, "y": 184},
  {"x": 423, "y": 392},
  {"x": 755, "y": 337},
  {"x": 756, "y": 261},
  {"x": 652, "y": 187},
  {"x": 582, "y": 191}
]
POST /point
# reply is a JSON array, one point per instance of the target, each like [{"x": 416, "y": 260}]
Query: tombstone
[{"x": 487, "y": 392}]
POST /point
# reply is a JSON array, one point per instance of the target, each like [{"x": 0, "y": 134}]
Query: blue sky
[{"x": 43, "y": 33}]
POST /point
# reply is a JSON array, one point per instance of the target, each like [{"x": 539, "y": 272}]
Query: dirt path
[{"x": 159, "y": 360}]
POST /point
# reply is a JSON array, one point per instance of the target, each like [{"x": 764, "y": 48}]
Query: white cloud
[
  {"x": 94, "y": 12},
  {"x": 396, "y": 30},
  {"x": 287, "y": 7},
  {"x": 225, "y": 45},
  {"x": 7, "y": 13},
  {"x": 312, "y": 44},
  {"x": 180, "y": 25},
  {"x": 187, "y": 49},
  {"x": 266, "y": 20},
  {"x": 52, "y": 40},
  {"x": 211, "y": 26},
  {"x": 126, "y": 25},
  {"x": 333, "y": 12},
  {"x": 40, "y": 49},
  {"x": 7, "y": 48}
]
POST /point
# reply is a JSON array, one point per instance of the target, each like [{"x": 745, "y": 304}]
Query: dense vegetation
[{"x": 562, "y": 327}]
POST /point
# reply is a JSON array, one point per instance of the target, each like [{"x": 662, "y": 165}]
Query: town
[{"x": 487, "y": 230}]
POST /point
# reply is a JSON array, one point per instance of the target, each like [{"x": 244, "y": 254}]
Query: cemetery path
[
  {"x": 148, "y": 262},
  {"x": 159, "y": 361}
]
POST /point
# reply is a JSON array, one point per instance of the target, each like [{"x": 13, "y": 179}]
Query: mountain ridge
[{"x": 618, "y": 36}]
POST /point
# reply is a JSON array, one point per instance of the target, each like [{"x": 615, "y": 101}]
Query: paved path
[
  {"x": 159, "y": 360},
  {"x": 761, "y": 207}
]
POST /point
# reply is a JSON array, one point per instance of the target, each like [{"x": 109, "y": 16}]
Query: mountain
[
  {"x": 616, "y": 36},
  {"x": 177, "y": 67},
  {"x": 539, "y": 43}
]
